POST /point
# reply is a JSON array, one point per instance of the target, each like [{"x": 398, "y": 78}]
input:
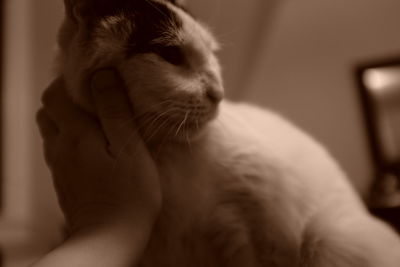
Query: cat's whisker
[
  {"x": 145, "y": 122},
  {"x": 148, "y": 130},
  {"x": 132, "y": 120},
  {"x": 188, "y": 140},
  {"x": 181, "y": 86},
  {"x": 148, "y": 126},
  {"x": 144, "y": 129},
  {"x": 223, "y": 42},
  {"x": 164, "y": 124},
  {"x": 182, "y": 123},
  {"x": 164, "y": 141},
  {"x": 154, "y": 122},
  {"x": 154, "y": 108},
  {"x": 143, "y": 114},
  {"x": 160, "y": 126},
  {"x": 159, "y": 116},
  {"x": 164, "y": 127}
]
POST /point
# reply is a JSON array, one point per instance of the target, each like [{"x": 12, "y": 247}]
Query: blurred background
[{"x": 296, "y": 57}]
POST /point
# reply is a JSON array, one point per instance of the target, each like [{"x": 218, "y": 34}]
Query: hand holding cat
[{"x": 102, "y": 171}]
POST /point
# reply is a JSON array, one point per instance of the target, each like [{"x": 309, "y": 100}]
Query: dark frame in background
[
  {"x": 1, "y": 104},
  {"x": 370, "y": 114},
  {"x": 381, "y": 168},
  {"x": 1, "y": 113}
]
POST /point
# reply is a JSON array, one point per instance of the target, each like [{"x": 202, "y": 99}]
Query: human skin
[{"x": 106, "y": 181}]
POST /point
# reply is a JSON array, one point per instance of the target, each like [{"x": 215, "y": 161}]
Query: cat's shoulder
[
  {"x": 250, "y": 112},
  {"x": 259, "y": 125},
  {"x": 257, "y": 118},
  {"x": 266, "y": 137}
]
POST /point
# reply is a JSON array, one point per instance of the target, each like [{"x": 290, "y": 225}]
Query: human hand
[{"x": 101, "y": 169}]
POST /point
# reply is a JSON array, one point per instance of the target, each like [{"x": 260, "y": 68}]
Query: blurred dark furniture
[
  {"x": 1, "y": 115},
  {"x": 1, "y": 108},
  {"x": 391, "y": 215},
  {"x": 379, "y": 88}
]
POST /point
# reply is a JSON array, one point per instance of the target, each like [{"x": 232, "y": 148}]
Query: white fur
[{"x": 256, "y": 191}]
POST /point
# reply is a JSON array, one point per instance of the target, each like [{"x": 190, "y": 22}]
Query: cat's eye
[{"x": 171, "y": 54}]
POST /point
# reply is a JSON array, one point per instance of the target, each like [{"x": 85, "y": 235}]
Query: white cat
[{"x": 241, "y": 186}]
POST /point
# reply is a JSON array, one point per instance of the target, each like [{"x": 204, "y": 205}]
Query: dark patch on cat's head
[
  {"x": 149, "y": 20},
  {"x": 92, "y": 10},
  {"x": 153, "y": 21}
]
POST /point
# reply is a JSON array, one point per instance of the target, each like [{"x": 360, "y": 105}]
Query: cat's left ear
[
  {"x": 72, "y": 8},
  {"x": 81, "y": 10},
  {"x": 69, "y": 7},
  {"x": 178, "y": 2}
]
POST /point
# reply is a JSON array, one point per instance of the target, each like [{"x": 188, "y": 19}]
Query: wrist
[
  {"x": 123, "y": 238},
  {"x": 118, "y": 244},
  {"x": 98, "y": 217}
]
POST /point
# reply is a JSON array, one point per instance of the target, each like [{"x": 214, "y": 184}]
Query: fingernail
[{"x": 104, "y": 80}]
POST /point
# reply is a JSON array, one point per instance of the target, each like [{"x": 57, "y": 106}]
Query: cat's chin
[
  {"x": 177, "y": 135},
  {"x": 175, "y": 129},
  {"x": 185, "y": 135},
  {"x": 192, "y": 134}
]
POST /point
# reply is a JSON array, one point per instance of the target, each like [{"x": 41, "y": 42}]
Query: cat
[{"x": 241, "y": 185}]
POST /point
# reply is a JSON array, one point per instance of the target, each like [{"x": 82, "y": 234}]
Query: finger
[
  {"x": 48, "y": 129},
  {"x": 50, "y": 134},
  {"x": 114, "y": 110},
  {"x": 54, "y": 86},
  {"x": 60, "y": 107}
]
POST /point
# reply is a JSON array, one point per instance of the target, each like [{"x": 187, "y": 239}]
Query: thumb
[{"x": 113, "y": 110}]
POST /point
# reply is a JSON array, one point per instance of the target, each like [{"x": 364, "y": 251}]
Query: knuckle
[
  {"x": 51, "y": 92},
  {"x": 40, "y": 113},
  {"x": 69, "y": 142},
  {"x": 47, "y": 97},
  {"x": 111, "y": 111},
  {"x": 49, "y": 157},
  {"x": 41, "y": 117}
]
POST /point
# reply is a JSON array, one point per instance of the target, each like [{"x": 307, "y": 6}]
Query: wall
[
  {"x": 239, "y": 26},
  {"x": 299, "y": 60},
  {"x": 30, "y": 215},
  {"x": 306, "y": 70}
]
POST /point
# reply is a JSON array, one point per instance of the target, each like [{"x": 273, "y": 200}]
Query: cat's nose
[{"x": 215, "y": 93}]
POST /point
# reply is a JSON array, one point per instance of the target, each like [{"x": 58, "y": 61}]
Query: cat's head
[{"x": 165, "y": 56}]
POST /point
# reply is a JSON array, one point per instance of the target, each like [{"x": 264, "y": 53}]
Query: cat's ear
[
  {"x": 69, "y": 7},
  {"x": 77, "y": 9},
  {"x": 178, "y": 2}
]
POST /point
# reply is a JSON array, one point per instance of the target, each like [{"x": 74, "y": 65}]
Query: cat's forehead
[
  {"x": 142, "y": 12},
  {"x": 193, "y": 31}
]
